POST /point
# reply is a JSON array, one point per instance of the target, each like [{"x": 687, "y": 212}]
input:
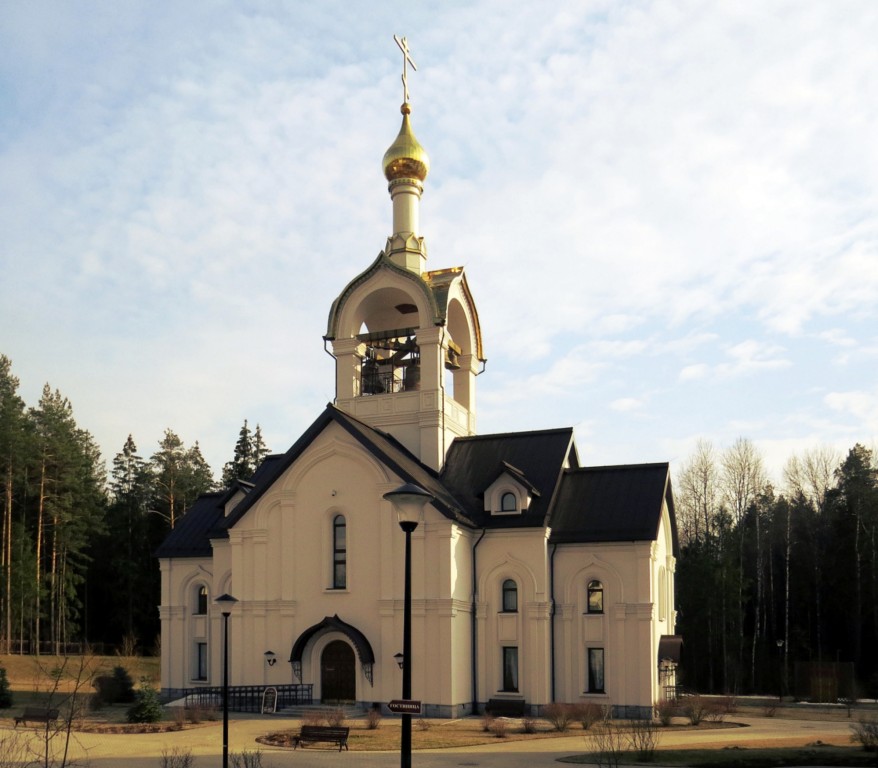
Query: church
[{"x": 534, "y": 579}]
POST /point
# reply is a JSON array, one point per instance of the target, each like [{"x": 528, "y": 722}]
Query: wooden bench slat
[
  {"x": 328, "y": 733},
  {"x": 37, "y": 714}
]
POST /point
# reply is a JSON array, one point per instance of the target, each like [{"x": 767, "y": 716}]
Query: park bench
[
  {"x": 314, "y": 733},
  {"x": 37, "y": 715},
  {"x": 506, "y": 707}
]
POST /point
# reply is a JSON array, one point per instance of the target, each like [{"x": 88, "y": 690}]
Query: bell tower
[{"x": 406, "y": 340}]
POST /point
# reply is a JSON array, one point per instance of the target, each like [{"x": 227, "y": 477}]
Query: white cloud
[
  {"x": 626, "y": 404},
  {"x": 634, "y": 189}
]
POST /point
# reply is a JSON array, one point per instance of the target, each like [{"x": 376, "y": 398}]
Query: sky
[{"x": 667, "y": 212}]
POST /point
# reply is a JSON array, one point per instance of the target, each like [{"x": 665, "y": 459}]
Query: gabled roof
[
  {"x": 598, "y": 504},
  {"x": 474, "y": 463},
  {"x": 384, "y": 447},
  {"x": 618, "y": 503}
]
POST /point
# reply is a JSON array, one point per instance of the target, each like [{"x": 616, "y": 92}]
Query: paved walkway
[{"x": 205, "y": 743}]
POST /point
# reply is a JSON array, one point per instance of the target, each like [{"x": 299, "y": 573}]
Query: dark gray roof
[
  {"x": 191, "y": 535},
  {"x": 620, "y": 503},
  {"x": 535, "y": 458}
]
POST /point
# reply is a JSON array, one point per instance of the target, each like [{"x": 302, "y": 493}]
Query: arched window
[
  {"x": 201, "y": 600},
  {"x": 595, "y": 597},
  {"x": 339, "y": 553},
  {"x": 510, "y": 596},
  {"x": 508, "y": 502}
]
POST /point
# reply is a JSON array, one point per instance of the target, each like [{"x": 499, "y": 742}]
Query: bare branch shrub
[
  {"x": 665, "y": 711},
  {"x": 695, "y": 708},
  {"x": 865, "y": 733},
  {"x": 529, "y": 724},
  {"x": 246, "y": 759},
  {"x": 180, "y": 715},
  {"x": 487, "y": 719},
  {"x": 559, "y": 715},
  {"x": 373, "y": 718},
  {"x": 314, "y": 718},
  {"x": 588, "y": 713},
  {"x": 177, "y": 758},
  {"x": 335, "y": 717},
  {"x": 13, "y": 749},
  {"x": 643, "y": 738},
  {"x": 608, "y": 745},
  {"x": 422, "y": 724},
  {"x": 500, "y": 727}
]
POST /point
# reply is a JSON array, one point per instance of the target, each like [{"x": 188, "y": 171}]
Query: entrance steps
[{"x": 351, "y": 710}]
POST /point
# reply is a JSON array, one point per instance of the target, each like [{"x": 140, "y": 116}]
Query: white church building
[{"x": 534, "y": 579}]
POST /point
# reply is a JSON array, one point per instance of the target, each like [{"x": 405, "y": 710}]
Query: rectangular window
[
  {"x": 510, "y": 668},
  {"x": 596, "y": 670},
  {"x": 201, "y": 661}
]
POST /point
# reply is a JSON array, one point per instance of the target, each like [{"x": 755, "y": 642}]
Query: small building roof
[{"x": 615, "y": 503}]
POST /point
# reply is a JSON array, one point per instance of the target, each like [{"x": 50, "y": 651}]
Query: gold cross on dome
[{"x": 406, "y": 59}]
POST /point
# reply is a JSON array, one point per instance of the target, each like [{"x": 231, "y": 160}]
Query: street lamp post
[
  {"x": 226, "y": 602},
  {"x": 408, "y": 500},
  {"x": 782, "y": 669}
]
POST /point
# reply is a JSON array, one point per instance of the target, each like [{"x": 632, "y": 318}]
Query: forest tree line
[
  {"x": 76, "y": 562},
  {"x": 766, "y": 576},
  {"x": 775, "y": 581}
]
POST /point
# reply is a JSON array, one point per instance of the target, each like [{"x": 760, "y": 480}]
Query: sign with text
[{"x": 404, "y": 707}]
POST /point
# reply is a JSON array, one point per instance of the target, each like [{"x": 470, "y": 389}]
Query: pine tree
[
  {"x": 250, "y": 450},
  {"x": 14, "y": 449}
]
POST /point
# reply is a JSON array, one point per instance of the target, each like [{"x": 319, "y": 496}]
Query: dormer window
[{"x": 511, "y": 493}]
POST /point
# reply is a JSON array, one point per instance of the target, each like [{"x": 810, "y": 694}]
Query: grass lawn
[{"x": 31, "y": 677}]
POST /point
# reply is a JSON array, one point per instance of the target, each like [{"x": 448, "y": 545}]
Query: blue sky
[{"x": 667, "y": 211}]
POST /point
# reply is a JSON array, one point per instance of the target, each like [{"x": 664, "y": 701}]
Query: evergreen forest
[{"x": 773, "y": 583}]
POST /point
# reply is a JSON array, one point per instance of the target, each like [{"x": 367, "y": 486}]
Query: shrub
[
  {"x": 487, "y": 719},
  {"x": 5, "y": 693},
  {"x": 588, "y": 713},
  {"x": 643, "y": 736},
  {"x": 559, "y": 715},
  {"x": 422, "y": 724},
  {"x": 335, "y": 717},
  {"x": 664, "y": 711},
  {"x": 147, "y": 707},
  {"x": 609, "y": 745},
  {"x": 695, "y": 708},
  {"x": 177, "y": 758},
  {"x": 500, "y": 727},
  {"x": 529, "y": 724},
  {"x": 865, "y": 732},
  {"x": 314, "y": 718},
  {"x": 373, "y": 718},
  {"x": 246, "y": 759},
  {"x": 117, "y": 688}
]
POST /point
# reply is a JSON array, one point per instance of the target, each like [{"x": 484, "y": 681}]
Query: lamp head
[
  {"x": 400, "y": 659},
  {"x": 225, "y": 602},
  {"x": 409, "y": 501}
]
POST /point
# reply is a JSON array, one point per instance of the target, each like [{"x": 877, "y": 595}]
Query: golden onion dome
[{"x": 406, "y": 158}]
